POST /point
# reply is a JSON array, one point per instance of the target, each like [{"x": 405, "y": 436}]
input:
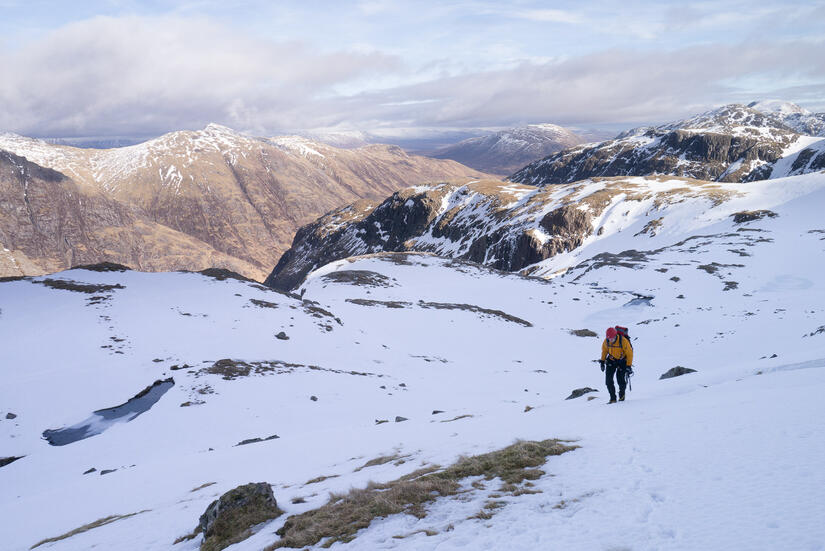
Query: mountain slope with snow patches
[
  {"x": 727, "y": 282},
  {"x": 514, "y": 227},
  {"x": 733, "y": 143},
  {"x": 240, "y": 198},
  {"x": 794, "y": 116}
]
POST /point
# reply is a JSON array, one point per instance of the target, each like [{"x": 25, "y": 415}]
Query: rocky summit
[
  {"x": 734, "y": 143},
  {"x": 792, "y": 115},
  {"x": 186, "y": 200}
]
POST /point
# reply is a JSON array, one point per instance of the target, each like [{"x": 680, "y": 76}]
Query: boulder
[
  {"x": 229, "y": 518},
  {"x": 676, "y": 372},
  {"x": 580, "y": 392}
]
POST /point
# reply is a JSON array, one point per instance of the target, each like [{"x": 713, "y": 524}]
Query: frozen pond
[
  {"x": 640, "y": 301},
  {"x": 102, "y": 419}
]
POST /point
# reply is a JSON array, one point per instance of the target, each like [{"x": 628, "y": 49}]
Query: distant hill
[{"x": 504, "y": 152}]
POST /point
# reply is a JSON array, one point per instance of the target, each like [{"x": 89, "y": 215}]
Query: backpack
[{"x": 622, "y": 331}]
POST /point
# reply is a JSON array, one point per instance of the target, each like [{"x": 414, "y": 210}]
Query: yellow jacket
[{"x": 619, "y": 349}]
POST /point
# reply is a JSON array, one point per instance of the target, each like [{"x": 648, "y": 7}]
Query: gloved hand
[{"x": 601, "y": 364}]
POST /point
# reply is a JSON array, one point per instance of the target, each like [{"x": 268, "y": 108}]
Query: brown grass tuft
[
  {"x": 202, "y": 486},
  {"x": 190, "y": 536},
  {"x": 318, "y": 479},
  {"x": 344, "y": 515},
  {"x": 86, "y": 527},
  {"x": 380, "y": 460}
]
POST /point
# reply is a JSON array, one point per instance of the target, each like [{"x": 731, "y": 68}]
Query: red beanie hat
[{"x": 611, "y": 333}]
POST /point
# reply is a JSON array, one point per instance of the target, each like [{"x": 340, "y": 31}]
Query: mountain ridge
[
  {"x": 240, "y": 197},
  {"x": 507, "y": 226},
  {"x": 733, "y": 143}
]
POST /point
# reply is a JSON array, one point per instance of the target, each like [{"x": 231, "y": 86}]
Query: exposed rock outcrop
[
  {"x": 751, "y": 215},
  {"x": 677, "y": 371},
  {"x": 579, "y": 392},
  {"x": 229, "y": 519},
  {"x": 9, "y": 460}
]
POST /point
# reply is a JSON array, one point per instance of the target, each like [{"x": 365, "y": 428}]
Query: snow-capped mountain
[
  {"x": 96, "y": 142},
  {"x": 734, "y": 143},
  {"x": 388, "y": 368},
  {"x": 792, "y": 115},
  {"x": 229, "y": 199},
  {"x": 345, "y": 139},
  {"x": 506, "y": 151}
]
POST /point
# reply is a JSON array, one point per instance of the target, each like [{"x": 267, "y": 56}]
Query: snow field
[{"x": 725, "y": 458}]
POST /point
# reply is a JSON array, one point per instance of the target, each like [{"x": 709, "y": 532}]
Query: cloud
[
  {"x": 149, "y": 74},
  {"x": 615, "y": 86},
  {"x": 549, "y": 16}
]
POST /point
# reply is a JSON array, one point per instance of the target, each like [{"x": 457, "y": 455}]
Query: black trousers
[{"x": 618, "y": 368}]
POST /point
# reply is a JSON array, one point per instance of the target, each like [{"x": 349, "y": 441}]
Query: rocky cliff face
[
  {"x": 731, "y": 144},
  {"x": 187, "y": 200},
  {"x": 504, "y": 152},
  {"x": 510, "y": 227}
]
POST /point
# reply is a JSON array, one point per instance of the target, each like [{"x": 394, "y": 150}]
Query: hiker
[{"x": 617, "y": 357}]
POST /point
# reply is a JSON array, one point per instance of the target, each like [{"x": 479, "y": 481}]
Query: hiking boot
[
  {"x": 621, "y": 397},
  {"x": 612, "y": 401}
]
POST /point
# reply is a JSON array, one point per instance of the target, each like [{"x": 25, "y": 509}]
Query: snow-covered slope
[
  {"x": 516, "y": 227},
  {"x": 733, "y": 143},
  {"x": 506, "y": 151},
  {"x": 728, "y": 457},
  {"x": 806, "y": 154}
]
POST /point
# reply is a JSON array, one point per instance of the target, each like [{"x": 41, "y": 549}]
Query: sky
[{"x": 142, "y": 68}]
